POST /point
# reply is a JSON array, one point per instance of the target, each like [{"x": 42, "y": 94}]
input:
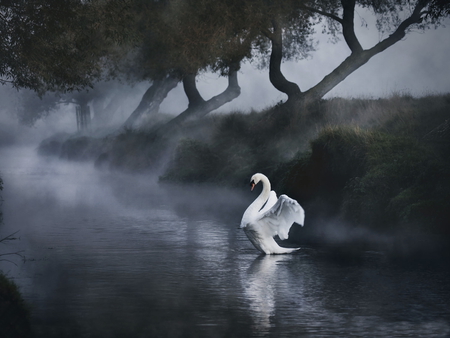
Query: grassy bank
[
  {"x": 377, "y": 165},
  {"x": 380, "y": 164}
]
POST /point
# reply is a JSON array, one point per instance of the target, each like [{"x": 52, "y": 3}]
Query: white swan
[{"x": 268, "y": 216}]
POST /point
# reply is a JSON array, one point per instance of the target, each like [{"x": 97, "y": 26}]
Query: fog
[
  {"x": 417, "y": 65},
  {"x": 109, "y": 253}
]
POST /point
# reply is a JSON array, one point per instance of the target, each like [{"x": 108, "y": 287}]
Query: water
[{"x": 114, "y": 255}]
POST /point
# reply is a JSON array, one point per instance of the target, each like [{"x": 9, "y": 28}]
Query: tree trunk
[
  {"x": 276, "y": 57},
  {"x": 191, "y": 91},
  {"x": 152, "y": 99},
  {"x": 198, "y": 107},
  {"x": 357, "y": 58}
]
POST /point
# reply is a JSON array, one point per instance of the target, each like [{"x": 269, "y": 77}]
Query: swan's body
[{"x": 268, "y": 216}]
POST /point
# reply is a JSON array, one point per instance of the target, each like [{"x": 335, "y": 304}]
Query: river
[{"x": 119, "y": 255}]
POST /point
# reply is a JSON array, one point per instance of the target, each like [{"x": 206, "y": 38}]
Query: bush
[
  {"x": 193, "y": 161},
  {"x": 373, "y": 179},
  {"x": 14, "y": 314}
]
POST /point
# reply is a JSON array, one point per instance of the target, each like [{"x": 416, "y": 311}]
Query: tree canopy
[
  {"x": 68, "y": 45},
  {"x": 42, "y": 45}
]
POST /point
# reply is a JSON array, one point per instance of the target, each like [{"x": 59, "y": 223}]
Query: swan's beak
[{"x": 252, "y": 184}]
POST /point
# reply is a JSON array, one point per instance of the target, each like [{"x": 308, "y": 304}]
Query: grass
[
  {"x": 381, "y": 164},
  {"x": 377, "y": 163}
]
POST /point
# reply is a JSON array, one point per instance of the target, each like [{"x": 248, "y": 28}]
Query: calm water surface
[{"x": 114, "y": 255}]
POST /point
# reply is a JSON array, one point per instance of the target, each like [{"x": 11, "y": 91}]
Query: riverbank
[
  {"x": 14, "y": 312},
  {"x": 377, "y": 167}
]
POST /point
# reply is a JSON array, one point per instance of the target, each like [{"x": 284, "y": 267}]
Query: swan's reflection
[{"x": 260, "y": 283}]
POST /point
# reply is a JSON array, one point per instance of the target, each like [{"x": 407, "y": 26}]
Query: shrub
[
  {"x": 373, "y": 179},
  {"x": 193, "y": 161},
  {"x": 14, "y": 314}
]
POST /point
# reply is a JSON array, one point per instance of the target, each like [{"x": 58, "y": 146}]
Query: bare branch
[
  {"x": 400, "y": 32},
  {"x": 17, "y": 253},
  {"x": 267, "y": 33},
  {"x": 348, "y": 26},
  {"x": 2, "y": 81},
  {"x": 318, "y": 11},
  {"x": 359, "y": 58},
  {"x": 9, "y": 237}
]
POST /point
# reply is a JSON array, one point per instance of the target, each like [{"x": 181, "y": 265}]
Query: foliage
[
  {"x": 47, "y": 44},
  {"x": 185, "y": 37},
  {"x": 384, "y": 171},
  {"x": 238, "y": 145},
  {"x": 32, "y": 107},
  {"x": 394, "y": 20},
  {"x": 196, "y": 159},
  {"x": 14, "y": 313},
  {"x": 401, "y": 181},
  {"x": 382, "y": 177},
  {"x": 152, "y": 40},
  {"x": 377, "y": 163}
]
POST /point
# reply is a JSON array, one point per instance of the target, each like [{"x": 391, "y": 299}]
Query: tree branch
[
  {"x": 2, "y": 81},
  {"x": 191, "y": 91},
  {"x": 359, "y": 58},
  {"x": 152, "y": 99},
  {"x": 267, "y": 33},
  {"x": 276, "y": 77},
  {"x": 400, "y": 32},
  {"x": 17, "y": 253},
  {"x": 348, "y": 26},
  {"x": 9, "y": 237},
  {"x": 198, "y": 111},
  {"x": 318, "y": 11}
]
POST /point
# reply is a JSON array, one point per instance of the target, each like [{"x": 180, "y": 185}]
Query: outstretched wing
[{"x": 282, "y": 215}]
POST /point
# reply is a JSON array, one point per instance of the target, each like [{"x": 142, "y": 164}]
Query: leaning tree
[
  {"x": 181, "y": 39},
  {"x": 49, "y": 45},
  {"x": 395, "y": 18},
  {"x": 60, "y": 46}
]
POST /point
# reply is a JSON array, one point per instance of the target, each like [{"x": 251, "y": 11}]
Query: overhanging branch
[
  {"x": 360, "y": 57},
  {"x": 232, "y": 91},
  {"x": 318, "y": 11}
]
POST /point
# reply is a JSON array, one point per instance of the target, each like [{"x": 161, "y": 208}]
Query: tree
[
  {"x": 179, "y": 40},
  {"x": 395, "y": 17},
  {"x": 105, "y": 99},
  {"x": 43, "y": 45},
  {"x": 60, "y": 46}
]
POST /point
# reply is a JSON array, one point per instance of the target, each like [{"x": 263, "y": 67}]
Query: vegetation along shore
[{"x": 375, "y": 164}]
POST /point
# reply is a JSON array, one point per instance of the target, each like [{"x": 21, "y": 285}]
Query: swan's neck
[{"x": 258, "y": 203}]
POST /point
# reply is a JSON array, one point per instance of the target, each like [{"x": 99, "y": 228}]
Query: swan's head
[{"x": 255, "y": 180}]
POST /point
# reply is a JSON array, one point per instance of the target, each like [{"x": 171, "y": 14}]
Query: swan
[{"x": 268, "y": 216}]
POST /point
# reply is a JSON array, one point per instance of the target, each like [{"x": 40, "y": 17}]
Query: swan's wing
[
  {"x": 279, "y": 219},
  {"x": 270, "y": 202}
]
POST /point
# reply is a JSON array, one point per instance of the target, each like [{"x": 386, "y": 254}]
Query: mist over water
[{"x": 116, "y": 255}]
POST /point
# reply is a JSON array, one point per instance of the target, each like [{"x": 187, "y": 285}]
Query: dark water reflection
[{"x": 111, "y": 255}]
